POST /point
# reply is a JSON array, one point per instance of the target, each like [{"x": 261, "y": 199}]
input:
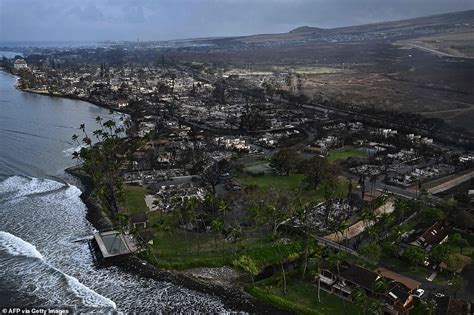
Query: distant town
[{"x": 234, "y": 176}]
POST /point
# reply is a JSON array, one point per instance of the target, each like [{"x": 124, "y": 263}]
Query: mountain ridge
[{"x": 425, "y": 24}]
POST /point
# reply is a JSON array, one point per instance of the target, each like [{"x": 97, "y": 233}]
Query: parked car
[{"x": 419, "y": 293}]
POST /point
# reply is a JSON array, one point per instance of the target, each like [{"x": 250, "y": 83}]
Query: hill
[{"x": 421, "y": 26}]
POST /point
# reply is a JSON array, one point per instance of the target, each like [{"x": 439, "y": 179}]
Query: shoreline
[
  {"x": 66, "y": 96},
  {"x": 232, "y": 295},
  {"x": 76, "y": 98}
]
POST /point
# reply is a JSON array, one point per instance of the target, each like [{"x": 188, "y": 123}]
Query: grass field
[
  {"x": 302, "y": 297},
  {"x": 272, "y": 181},
  {"x": 134, "y": 199},
  {"x": 178, "y": 249},
  {"x": 344, "y": 153},
  {"x": 291, "y": 183}
]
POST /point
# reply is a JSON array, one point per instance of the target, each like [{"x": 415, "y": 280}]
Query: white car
[{"x": 419, "y": 293}]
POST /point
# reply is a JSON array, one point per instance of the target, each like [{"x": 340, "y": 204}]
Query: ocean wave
[
  {"x": 20, "y": 187},
  {"x": 88, "y": 296},
  {"x": 70, "y": 151},
  {"x": 17, "y": 246},
  {"x": 27, "y": 185}
]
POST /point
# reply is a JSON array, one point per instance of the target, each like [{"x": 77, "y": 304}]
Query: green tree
[
  {"x": 414, "y": 255},
  {"x": 247, "y": 264},
  {"x": 454, "y": 262},
  {"x": 315, "y": 170},
  {"x": 102, "y": 161},
  {"x": 431, "y": 215},
  {"x": 385, "y": 220},
  {"x": 371, "y": 251},
  {"x": 284, "y": 161},
  {"x": 315, "y": 268},
  {"x": 458, "y": 283},
  {"x": 458, "y": 241},
  {"x": 439, "y": 253},
  {"x": 360, "y": 298},
  {"x": 430, "y": 307},
  {"x": 340, "y": 227},
  {"x": 217, "y": 228},
  {"x": 336, "y": 260},
  {"x": 375, "y": 306}
]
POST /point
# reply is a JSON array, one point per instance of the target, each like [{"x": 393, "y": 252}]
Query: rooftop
[
  {"x": 115, "y": 243},
  {"x": 408, "y": 282}
]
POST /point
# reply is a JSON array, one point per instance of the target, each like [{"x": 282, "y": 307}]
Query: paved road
[
  {"x": 437, "y": 52},
  {"x": 381, "y": 186}
]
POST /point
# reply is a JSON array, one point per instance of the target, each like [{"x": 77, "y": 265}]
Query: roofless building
[{"x": 113, "y": 245}]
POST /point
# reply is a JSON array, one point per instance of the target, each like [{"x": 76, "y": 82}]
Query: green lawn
[
  {"x": 134, "y": 199},
  {"x": 468, "y": 251},
  {"x": 268, "y": 181},
  {"x": 301, "y": 297},
  {"x": 291, "y": 183},
  {"x": 176, "y": 249},
  {"x": 344, "y": 153}
]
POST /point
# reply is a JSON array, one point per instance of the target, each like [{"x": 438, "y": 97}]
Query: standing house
[
  {"x": 20, "y": 64},
  {"x": 426, "y": 238},
  {"x": 343, "y": 280}
]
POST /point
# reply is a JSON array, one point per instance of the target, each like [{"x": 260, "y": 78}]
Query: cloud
[
  {"x": 87, "y": 14},
  {"x": 169, "y": 19}
]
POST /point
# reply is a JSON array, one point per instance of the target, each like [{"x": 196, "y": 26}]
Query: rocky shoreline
[{"x": 199, "y": 279}]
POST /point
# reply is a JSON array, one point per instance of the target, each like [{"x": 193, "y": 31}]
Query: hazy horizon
[{"x": 148, "y": 20}]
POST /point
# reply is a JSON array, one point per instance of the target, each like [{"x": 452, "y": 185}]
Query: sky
[{"x": 94, "y": 20}]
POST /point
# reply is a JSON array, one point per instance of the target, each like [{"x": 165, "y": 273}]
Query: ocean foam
[
  {"x": 18, "y": 247},
  {"x": 70, "y": 151},
  {"x": 22, "y": 186},
  {"x": 73, "y": 192},
  {"x": 88, "y": 296},
  {"x": 28, "y": 185}
]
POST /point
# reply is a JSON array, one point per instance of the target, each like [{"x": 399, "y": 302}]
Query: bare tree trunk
[
  {"x": 284, "y": 278},
  {"x": 319, "y": 289},
  {"x": 305, "y": 266}
]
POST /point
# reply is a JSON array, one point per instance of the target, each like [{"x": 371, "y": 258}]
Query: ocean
[{"x": 43, "y": 262}]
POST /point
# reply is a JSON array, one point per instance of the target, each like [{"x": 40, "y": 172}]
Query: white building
[{"x": 20, "y": 64}]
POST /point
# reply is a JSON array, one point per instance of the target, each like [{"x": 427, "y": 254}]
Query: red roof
[{"x": 433, "y": 235}]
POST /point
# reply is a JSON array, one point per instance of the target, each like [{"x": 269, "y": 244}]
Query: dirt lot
[
  {"x": 375, "y": 72},
  {"x": 458, "y": 44}
]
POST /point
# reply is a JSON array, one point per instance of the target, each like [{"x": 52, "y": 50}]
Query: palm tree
[
  {"x": 366, "y": 216},
  {"x": 341, "y": 227},
  {"x": 217, "y": 227},
  {"x": 380, "y": 285},
  {"x": 318, "y": 258},
  {"x": 385, "y": 220},
  {"x": 360, "y": 298},
  {"x": 372, "y": 232},
  {"x": 337, "y": 259},
  {"x": 376, "y": 306}
]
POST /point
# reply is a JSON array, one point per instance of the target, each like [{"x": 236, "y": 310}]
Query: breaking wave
[
  {"x": 88, "y": 296},
  {"x": 19, "y": 187},
  {"x": 16, "y": 246},
  {"x": 70, "y": 151}
]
